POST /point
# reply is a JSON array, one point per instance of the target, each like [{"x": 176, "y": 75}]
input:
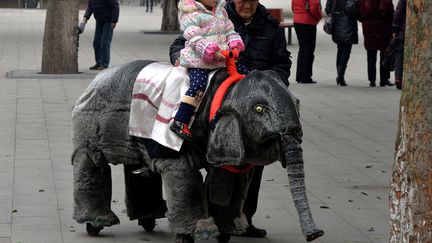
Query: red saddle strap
[{"x": 233, "y": 78}]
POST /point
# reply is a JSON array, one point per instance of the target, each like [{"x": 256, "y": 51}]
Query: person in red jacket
[
  {"x": 307, "y": 14},
  {"x": 376, "y": 17}
]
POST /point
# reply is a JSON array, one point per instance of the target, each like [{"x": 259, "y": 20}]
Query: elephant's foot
[
  {"x": 315, "y": 234},
  {"x": 184, "y": 238},
  {"x": 92, "y": 231},
  {"x": 205, "y": 228},
  {"x": 105, "y": 220}
]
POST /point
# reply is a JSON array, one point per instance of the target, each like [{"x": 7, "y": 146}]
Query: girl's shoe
[{"x": 181, "y": 129}]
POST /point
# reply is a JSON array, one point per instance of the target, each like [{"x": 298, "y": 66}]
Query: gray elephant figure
[{"x": 257, "y": 124}]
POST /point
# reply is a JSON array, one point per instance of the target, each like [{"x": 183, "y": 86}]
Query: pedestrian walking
[
  {"x": 106, "y": 13},
  {"x": 344, "y": 33},
  {"x": 307, "y": 14},
  {"x": 149, "y": 3},
  {"x": 376, "y": 17}
]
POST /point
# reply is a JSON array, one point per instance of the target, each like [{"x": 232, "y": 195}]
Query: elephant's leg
[
  {"x": 143, "y": 194},
  {"x": 294, "y": 162},
  {"x": 92, "y": 192},
  {"x": 184, "y": 196}
]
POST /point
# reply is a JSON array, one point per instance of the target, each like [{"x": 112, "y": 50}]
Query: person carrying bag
[{"x": 329, "y": 21}]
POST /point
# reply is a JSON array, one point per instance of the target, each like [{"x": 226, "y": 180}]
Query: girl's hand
[{"x": 218, "y": 56}]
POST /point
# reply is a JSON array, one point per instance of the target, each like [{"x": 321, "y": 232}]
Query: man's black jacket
[
  {"x": 264, "y": 41},
  {"x": 103, "y": 10}
]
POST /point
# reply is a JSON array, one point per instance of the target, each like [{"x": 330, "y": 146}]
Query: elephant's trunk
[{"x": 293, "y": 155}]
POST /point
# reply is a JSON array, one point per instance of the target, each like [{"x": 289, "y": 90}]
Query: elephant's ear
[{"x": 226, "y": 140}]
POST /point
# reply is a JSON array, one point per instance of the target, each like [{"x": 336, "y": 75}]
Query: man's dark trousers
[
  {"x": 371, "y": 61},
  {"x": 250, "y": 205},
  {"x": 102, "y": 43},
  {"x": 306, "y": 35}
]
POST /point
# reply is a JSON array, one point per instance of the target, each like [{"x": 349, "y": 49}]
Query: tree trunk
[
  {"x": 170, "y": 17},
  {"x": 60, "y": 43},
  {"x": 411, "y": 185}
]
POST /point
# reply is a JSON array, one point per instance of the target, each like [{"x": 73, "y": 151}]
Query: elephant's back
[{"x": 100, "y": 115}]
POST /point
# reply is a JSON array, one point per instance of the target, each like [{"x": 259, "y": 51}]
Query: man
[
  {"x": 106, "y": 13},
  {"x": 265, "y": 48}
]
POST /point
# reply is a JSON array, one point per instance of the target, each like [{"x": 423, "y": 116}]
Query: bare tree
[
  {"x": 170, "y": 17},
  {"x": 411, "y": 185},
  {"x": 60, "y": 42}
]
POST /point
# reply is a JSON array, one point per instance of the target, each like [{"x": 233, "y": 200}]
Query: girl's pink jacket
[{"x": 205, "y": 32}]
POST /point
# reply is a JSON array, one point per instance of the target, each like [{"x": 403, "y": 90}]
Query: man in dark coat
[
  {"x": 265, "y": 49},
  {"x": 376, "y": 17},
  {"x": 106, "y": 13}
]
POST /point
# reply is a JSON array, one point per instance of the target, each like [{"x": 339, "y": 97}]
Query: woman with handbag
[
  {"x": 344, "y": 32},
  {"x": 307, "y": 14}
]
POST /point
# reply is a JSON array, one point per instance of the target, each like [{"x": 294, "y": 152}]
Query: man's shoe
[
  {"x": 372, "y": 84},
  {"x": 311, "y": 81},
  {"x": 386, "y": 83},
  {"x": 398, "y": 84},
  {"x": 181, "y": 129},
  {"x": 95, "y": 67},
  {"x": 252, "y": 231},
  {"x": 100, "y": 68}
]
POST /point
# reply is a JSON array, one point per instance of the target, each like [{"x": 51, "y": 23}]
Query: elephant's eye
[{"x": 259, "y": 109}]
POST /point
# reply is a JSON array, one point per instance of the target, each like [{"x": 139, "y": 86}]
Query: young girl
[{"x": 207, "y": 31}]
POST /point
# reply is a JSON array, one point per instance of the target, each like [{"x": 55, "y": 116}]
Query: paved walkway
[{"x": 348, "y": 143}]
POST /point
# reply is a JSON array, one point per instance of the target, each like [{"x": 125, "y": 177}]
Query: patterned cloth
[{"x": 155, "y": 100}]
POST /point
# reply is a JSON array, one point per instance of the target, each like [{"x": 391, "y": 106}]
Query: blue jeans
[{"x": 102, "y": 43}]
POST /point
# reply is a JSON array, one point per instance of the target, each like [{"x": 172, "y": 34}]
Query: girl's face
[{"x": 209, "y": 3}]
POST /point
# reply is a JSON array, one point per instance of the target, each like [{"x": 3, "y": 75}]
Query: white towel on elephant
[{"x": 156, "y": 98}]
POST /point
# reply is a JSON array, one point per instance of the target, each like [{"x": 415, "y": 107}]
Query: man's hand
[
  {"x": 113, "y": 25},
  {"x": 84, "y": 20}
]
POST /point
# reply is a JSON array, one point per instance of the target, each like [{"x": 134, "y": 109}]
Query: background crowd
[{"x": 383, "y": 31}]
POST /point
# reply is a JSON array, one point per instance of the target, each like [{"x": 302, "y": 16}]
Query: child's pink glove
[
  {"x": 236, "y": 44},
  {"x": 209, "y": 53}
]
